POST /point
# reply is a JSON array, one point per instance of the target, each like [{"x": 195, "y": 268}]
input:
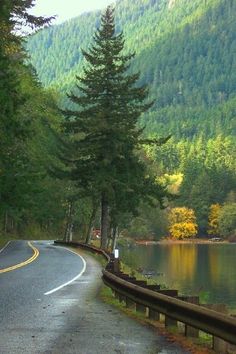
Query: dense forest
[
  {"x": 185, "y": 54},
  {"x": 30, "y": 201}
]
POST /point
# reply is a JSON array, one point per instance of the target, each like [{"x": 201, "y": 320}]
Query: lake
[{"x": 208, "y": 270}]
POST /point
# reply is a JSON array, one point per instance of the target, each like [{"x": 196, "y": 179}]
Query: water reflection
[
  {"x": 208, "y": 270},
  {"x": 182, "y": 262}
]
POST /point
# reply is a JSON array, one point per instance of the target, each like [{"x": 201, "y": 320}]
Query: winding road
[{"x": 49, "y": 305}]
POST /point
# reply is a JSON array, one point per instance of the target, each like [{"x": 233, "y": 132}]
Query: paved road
[{"x": 40, "y": 314}]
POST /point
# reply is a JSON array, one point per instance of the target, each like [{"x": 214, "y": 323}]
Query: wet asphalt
[{"x": 70, "y": 320}]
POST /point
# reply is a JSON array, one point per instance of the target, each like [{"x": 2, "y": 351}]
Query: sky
[{"x": 66, "y": 9}]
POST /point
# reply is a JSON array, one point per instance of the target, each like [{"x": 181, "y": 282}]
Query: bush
[
  {"x": 227, "y": 220},
  {"x": 182, "y": 223}
]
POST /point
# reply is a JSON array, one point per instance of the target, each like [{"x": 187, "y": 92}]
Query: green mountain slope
[{"x": 185, "y": 52}]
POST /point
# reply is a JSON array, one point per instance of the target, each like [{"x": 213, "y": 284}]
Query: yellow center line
[{"x": 22, "y": 264}]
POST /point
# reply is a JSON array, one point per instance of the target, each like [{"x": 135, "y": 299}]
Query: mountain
[{"x": 185, "y": 52}]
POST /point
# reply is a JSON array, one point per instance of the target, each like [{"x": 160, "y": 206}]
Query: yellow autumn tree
[
  {"x": 213, "y": 219},
  {"x": 182, "y": 223}
]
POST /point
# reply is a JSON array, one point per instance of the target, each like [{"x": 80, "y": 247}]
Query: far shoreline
[{"x": 173, "y": 242}]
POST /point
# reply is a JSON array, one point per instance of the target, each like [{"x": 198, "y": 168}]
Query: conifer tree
[
  {"x": 14, "y": 128},
  {"x": 103, "y": 125}
]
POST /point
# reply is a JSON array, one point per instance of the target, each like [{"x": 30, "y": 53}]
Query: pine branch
[{"x": 157, "y": 142}]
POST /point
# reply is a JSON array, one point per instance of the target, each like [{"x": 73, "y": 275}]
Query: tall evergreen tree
[
  {"x": 103, "y": 125},
  {"x": 15, "y": 126}
]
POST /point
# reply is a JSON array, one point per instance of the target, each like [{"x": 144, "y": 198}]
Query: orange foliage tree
[
  {"x": 213, "y": 219},
  {"x": 182, "y": 223}
]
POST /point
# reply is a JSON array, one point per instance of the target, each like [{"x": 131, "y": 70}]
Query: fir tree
[{"x": 103, "y": 125}]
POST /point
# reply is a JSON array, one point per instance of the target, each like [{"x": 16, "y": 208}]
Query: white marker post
[
  {"x": 116, "y": 261},
  {"x": 116, "y": 253}
]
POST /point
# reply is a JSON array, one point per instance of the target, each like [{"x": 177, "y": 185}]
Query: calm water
[{"x": 205, "y": 270}]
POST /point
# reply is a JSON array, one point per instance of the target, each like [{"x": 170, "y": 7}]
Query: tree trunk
[
  {"x": 104, "y": 221},
  {"x": 109, "y": 234},
  {"x": 69, "y": 224},
  {"x": 71, "y": 232},
  {"x": 109, "y": 239},
  {"x": 65, "y": 238},
  {"x": 91, "y": 222},
  {"x": 6, "y": 222},
  {"x": 114, "y": 237}
]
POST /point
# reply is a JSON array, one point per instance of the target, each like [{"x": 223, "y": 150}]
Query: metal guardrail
[
  {"x": 86, "y": 247},
  {"x": 209, "y": 321},
  {"x": 217, "y": 324}
]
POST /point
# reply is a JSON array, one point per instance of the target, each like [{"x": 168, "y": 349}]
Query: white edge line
[
  {"x": 2, "y": 249},
  {"x": 70, "y": 281}
]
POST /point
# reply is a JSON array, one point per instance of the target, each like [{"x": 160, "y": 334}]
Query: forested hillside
[
  {"x": 185, "y": 52},
  {"x": 29, "y": 119}
]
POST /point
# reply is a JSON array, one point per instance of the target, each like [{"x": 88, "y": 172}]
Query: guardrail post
[
  {"x": 122, "y": 298},
  {"x": 153, "y": 287},
  {"x": 116, "y": 265},
  {"x": 231, "y": 347},
  {"x": 116, "y": 294},
  {"x": 139, "y": 282},
  {"x": 130, "y": 304},
  {"x": 141, "y": 308},
  {"x": 189, "y": 330},
  {"x": 170, "y": 322},
  {"x": 153, "y": 315},
  {"x": 168, "y": 292},
  {"x": 218, "y": 344}
]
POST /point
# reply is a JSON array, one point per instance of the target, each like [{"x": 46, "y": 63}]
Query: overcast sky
[{"x": 66, "y": 9}]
